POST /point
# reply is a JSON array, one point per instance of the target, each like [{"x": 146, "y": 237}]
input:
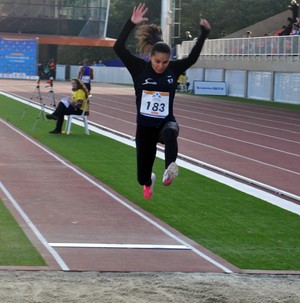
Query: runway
[{"x": 249, "y": 141}]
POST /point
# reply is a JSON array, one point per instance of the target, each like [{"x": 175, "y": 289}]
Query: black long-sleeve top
[{"x": 155, "y": 92}]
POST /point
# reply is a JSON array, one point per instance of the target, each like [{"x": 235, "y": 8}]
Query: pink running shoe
[
  {"x": 170, "y": 174},
  {"x": 148, "y": 190}
]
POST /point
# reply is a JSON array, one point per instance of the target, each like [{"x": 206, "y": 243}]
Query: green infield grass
[
  {"x": 15, "y": 248},
  {"x": 246, "y": 231}
]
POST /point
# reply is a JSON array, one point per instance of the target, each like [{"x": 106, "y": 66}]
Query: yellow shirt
[
  {"x": 182, "y": 79},
  {"x": 80, "y": 95}
]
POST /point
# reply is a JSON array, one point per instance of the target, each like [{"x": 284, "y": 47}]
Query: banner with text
[
  {"x": 18, "y": 58},
  {"x": 210, "y": 88}
]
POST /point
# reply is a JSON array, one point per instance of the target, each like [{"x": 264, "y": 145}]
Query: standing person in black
[
  {"x": 155, "y": 83},
  {"x": 294, "y": 7}
]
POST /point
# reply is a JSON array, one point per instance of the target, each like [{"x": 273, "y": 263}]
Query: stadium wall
[{"x": 259, "y": 84}]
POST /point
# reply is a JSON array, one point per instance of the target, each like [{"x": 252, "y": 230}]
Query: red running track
[{"x": 256, "y": 142}]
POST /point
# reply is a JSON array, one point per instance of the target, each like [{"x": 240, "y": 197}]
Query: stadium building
[{"x": 32, "y": 29}]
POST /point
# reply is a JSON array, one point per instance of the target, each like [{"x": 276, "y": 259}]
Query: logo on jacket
[
  {"x": 149, "y": 81},
  {"x": 170, "y": 79}
]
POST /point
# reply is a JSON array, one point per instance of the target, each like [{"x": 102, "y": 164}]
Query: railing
[{"x": 267, "y": 48}]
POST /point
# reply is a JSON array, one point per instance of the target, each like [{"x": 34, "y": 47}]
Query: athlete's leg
[
  {"x": 168, "y": 136},
  {"x": 59, "y": 114},
  {"x": 146, "y": 139}
]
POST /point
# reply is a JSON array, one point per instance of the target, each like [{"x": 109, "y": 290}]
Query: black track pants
[{"x": 146, "y": 141}]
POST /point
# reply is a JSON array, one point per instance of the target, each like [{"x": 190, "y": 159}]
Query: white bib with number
[
  {"x": 85, "y": 79},
  {"x": 155, "y": 104}
]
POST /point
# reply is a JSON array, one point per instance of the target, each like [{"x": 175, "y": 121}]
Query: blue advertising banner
[{"x": 18, "y": 58}]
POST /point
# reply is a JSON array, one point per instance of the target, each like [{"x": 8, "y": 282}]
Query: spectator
[
  {"x": 295, "y": 29},
  {"x": 183, "y": 84},
  {"x": 279, "y": 31},
  {"x": 52, "y": 68},
  {"x": 294, "y": 7},
  {"x": 287, "y": 30},
  {"x": 188, "y": 36},
  {"x": 249, "y": 34}
]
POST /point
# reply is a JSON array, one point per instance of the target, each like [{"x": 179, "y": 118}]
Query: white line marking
[
  {"x": 270, "y": 198},
  {"x": 137, "y": 212},
  {"x": 121, "y": 246},
  {"x": 241, "y": 156},
  {"x": 240, "y": 186},
  {"x": 240, "y": 130},
  {"x": 243, "y": 141},
  {"x": 55, "y": 255},
  {"x": 248, "y": 189},
  {"x": 243, "y": 121}
]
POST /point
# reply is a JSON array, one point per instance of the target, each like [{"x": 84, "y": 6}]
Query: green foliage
[
  {"x": 225, "y": 16},
  {"x": 73, "y": 55},
  {"x": 121, "y": 10},
  {"x": 246, "y": 231}
]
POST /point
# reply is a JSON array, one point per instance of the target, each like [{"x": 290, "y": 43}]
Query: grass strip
[
  {"x": 15, "y": 248},
  {"x": 244, "y": 230}
]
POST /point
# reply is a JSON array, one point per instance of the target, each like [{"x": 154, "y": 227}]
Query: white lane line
[
  {"x": 240, "y": 156},
  {"x": 248, "y": 189},
  {"x": 120, "y": 246},
  {"x": 238, "y": 115},
  {"x": 243, "y": 141},
  {"x": 16, "y": 205},
  {"x": 221, "y": 176},
  {"x": 245, "y": 122},
  {"x": 239, "y": 130},
  {"x": 261, "y": 194},
  {"x": 137, "y": 212}
]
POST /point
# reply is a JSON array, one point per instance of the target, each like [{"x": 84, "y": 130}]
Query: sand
[{"x": 51, "y": 286}]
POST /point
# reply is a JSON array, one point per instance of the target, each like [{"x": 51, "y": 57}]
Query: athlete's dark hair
[
  {"x": 148, "y": 35},
  {"x": 160, "y": 47}
]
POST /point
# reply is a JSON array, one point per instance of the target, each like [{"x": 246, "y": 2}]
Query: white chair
[{"x": 83, "y": 117}]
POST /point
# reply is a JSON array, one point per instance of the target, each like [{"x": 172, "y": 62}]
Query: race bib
[
  {"x": 85, "y": 79},
  {"x": 155, "y": 104}
]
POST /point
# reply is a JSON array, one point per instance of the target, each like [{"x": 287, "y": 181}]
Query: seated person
[
  {"x": 70, "y": 106},
  {"x": 183, "y": 84}
]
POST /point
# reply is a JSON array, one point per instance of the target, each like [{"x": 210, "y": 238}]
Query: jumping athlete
[{"x": 155, "y": 83}]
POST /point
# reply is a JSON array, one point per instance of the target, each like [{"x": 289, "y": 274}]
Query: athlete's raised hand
[
  {"x": 138, "y": 14},
  {"x": 205, "y": 23}
]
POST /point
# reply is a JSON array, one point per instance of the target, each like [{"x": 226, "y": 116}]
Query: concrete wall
[{"x": 261, "y": 80}]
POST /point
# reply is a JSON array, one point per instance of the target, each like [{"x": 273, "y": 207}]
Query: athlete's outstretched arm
[
  {"x": 182, "y": 65},
  {"x": 133, "y": 63}
]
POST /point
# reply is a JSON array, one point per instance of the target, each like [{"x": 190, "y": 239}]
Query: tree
[
  {"x": 227, "y": 15},
  {"x": 224, "y": 15}
]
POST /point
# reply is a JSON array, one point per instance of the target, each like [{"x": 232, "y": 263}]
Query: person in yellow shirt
[
  {"x": 183, "y": 84},
  {"x": 73, "y": 105}
]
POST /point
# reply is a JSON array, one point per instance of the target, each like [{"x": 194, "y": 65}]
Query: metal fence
[{"x": 261, "y": 48}]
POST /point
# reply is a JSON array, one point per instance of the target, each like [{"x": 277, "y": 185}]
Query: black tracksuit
[{"x": 153, "y": 115}]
